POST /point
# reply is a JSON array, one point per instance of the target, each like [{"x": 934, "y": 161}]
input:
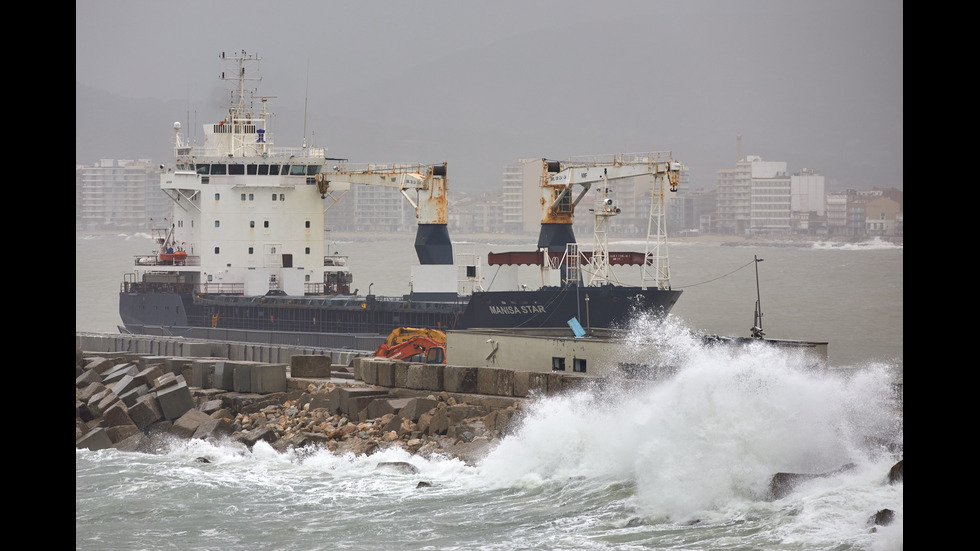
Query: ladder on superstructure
[
  {"x": 572, "y": 264},
  {"x": 656, "y": 267}
]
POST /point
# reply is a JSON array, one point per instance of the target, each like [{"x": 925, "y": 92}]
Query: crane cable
[{"x": 719, "y": 277}]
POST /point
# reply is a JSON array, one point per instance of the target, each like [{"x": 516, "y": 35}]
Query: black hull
[
  {"x": 596, "y": 307},
  {"x": 288, "y": 319}
]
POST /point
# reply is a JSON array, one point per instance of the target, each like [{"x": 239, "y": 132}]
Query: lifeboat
[{"x": 174, "y": 257}]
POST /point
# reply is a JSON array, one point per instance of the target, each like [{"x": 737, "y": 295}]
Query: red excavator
[{"x": 414, "y": 345}]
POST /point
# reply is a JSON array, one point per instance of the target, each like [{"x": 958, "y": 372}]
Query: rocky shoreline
[
  {"x": 128, "y": 404},
  {"x": 144, "y": 404}
]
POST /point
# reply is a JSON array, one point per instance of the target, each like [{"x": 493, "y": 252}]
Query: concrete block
[
  {"x": 113, "y": 376},
  {"x": 413, "y": 376},
  {"x": 268, "y": 378},
  {"x": 146, "y": 361},
  {"x": 100, "y": 365},
  {"x": 124, "y": 385},
  {"x": 131, "y": 396},
  {"x": 96, "y": 439},
  {"x": 460, "y": 379},
  {"x": 145, "y": 411},
  {"x": 310, "y": 367},
  {"x": 104, "y": 403},
  {"x": 202, "y": 374},
  {"x": 87, "y": 377},
  {"x": 537, "y": 382},
  {"x": 90, "y": 390},
  {"x": 117, "y": 414},
  {"x": 434, "y": 377},
  {"x": 401, "y": 374},
  {"x": 150, "y": 373},
  {"x": 187, "y": 424},
  {"x": 242, "y": 376},
  {"x": 381, "y": 407},
  {"x": 175, "y": 365},
  {"x": 165, "y": 380},
  {"x": 555, "y": 382},
  {"x": 495, "y": 381},
  {"x": 369, "y": 371},
  {"x": 175, "y": 400},
  {"x": 119, "y": 433},
  {"x": 214, "y": 428},
  {"x": 386, "y": 373},
  {"x": 416, "y": 407},
  {"x": 320, "y": 400},
  {"x": 224, "y": 375},
  {"x": 353, "y": 400},
  {"x": 521, "y": 381}
]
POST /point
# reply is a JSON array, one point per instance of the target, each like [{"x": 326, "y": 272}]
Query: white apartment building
[
  {"x": 761, "y": 197},
  {"x": 118, "y": 194}
]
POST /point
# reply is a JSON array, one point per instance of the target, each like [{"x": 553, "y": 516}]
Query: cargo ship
[{"x": 243, "y": 257}]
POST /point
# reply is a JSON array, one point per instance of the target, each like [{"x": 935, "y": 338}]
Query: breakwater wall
[{"x": 150, "y": 345}]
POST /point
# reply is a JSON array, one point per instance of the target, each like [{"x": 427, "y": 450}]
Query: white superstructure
[{"x": 248, "y": 215}]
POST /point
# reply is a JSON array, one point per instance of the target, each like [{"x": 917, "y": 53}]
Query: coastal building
[
  {"x": 807, "y": 190},
  {"x": 118, "y": 195},
  {"x": 760, "y": 197},
  {"x": 521, "y": 197},
  {"x": 756, "y": 197},
  {"x": 475, "y": 213},
  {"x": 882, "y": 215}
]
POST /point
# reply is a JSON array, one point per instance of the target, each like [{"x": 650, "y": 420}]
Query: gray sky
[{"x": 818, "y": 84}]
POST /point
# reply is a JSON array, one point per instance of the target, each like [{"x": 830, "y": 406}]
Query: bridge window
[
  {"x": 297, "y": 170},
  {"x": 273, "y": 170},
  {"x": 263, "y": 170},
  {"x": 219, "y": 169},
  {"x": 251, "y": 169}
]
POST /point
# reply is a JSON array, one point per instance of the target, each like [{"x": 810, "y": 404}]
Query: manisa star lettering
[{"x": 517, "y": 309}]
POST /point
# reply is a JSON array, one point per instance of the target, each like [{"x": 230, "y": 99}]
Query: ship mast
[{"x": 240, "y": 124}]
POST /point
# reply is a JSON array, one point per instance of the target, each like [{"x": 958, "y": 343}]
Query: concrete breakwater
[
  {"x": 146, "y": 403},
  {"x": 141, "y": 402}
]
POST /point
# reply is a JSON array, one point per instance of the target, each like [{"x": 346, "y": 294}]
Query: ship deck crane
[
  {"x": 557, "y": 239},
  {"x": 429, "y": 184}
]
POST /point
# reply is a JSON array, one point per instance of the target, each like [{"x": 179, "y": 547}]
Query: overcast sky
[{"x": 818, "y": 84}]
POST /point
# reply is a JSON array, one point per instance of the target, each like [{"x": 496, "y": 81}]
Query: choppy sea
[{"x": 681, "y": 464}]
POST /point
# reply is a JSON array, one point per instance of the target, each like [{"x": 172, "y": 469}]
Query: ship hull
[
  {"x": 598, "y": 307},
  {"x": 283, "y": 319}
]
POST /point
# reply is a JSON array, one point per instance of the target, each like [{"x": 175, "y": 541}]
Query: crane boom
[
  {"x": 559, "y": 177},
  {"x": 428, "y": 184}
]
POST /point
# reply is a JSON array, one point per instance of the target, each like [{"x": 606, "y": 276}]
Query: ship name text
[{"x": 527, "y": 309}]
